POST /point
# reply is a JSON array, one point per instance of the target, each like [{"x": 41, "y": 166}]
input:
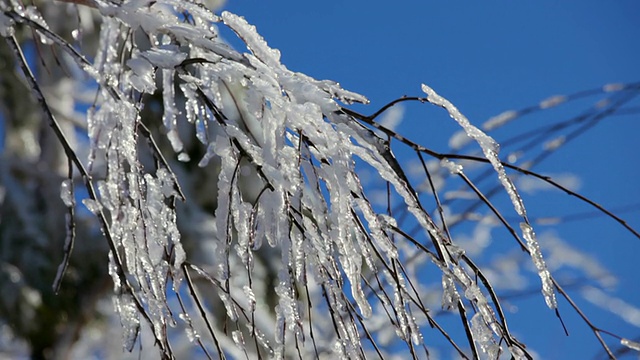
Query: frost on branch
[
  {"x": 285, "y": 156},
  {"x": 230, "y": 190},
  {"x": 538, "y": 260},
  {"x": 489, "y": 146},
  {"x": 490, "y": 149}
]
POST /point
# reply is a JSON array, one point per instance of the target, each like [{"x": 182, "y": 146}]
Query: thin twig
[
  {"x": 203, "y": 313},
  {"x": 71, "y": 233}
]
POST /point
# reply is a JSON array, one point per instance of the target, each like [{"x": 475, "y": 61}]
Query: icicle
[
  {"x": 288, "y": 307},
  {"x": 241, "y": 215},
  {"x": 482, "y": 336},
  {"x": 251, "y": 297},
  {"x": 184, "y": 157},
  {"x": 129, "y": 318},
  {"x": 541, "y": 266},
  {"x": 401, "y": 314},
  {"x": 416, "y": 335},
  {"x": 191, "y": 103},
  {"x": 192, "y": 334},
  {"x": 450, "y": 296},
  {"x": 169, "y": 118},
  {"x": 489, "y": 146},
  {"x": 108, "y": 194}
]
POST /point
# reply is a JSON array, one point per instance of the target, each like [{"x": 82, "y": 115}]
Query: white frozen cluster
[
  {"x": 490, "y": 148},
  {"x": 286, "y": 130},
  {"x": 133, "y": 198},
  {"x": 245, "y": 108}
]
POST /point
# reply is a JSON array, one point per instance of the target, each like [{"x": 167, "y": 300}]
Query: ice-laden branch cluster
[
  {"x": 490, "y": 149},
  {"x": 249, "y": 110}
]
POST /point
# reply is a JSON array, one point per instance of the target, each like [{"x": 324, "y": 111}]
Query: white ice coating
[
  {"x": 489, "y": 146},
  {"x": 499, "y": 120},
  {"x": 630, "y": 344},
  {"x": 255, "y": 42},
  {"x": 473, "y": 293},
  {"x": 142, "y": 224},
  {"x": 552, "y": 101},
  {"x": 142, "y": 77},
  {"x": 129, "y": 318},
  {"x": 165, "y": 58},
  {"x": 453, "y": 168},
  {"x": 517, "y": 353},
  {"x": 238, "y": 339},
  {"x": 536, "y": 255},
  {"x": 287, "y": 129},
  {"x": 66, "y": 193},
  {"x": 483, "y": 336},
  {"x": 92, "y": 205},
  {"x": 450, "y": 296},
  {"x": 192, "y": 334}
]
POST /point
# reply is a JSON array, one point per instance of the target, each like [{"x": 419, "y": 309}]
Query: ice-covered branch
[{"x": 281, "y": 247}]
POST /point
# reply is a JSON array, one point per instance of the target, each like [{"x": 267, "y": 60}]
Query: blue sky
[{"x": 487, "y": 57}]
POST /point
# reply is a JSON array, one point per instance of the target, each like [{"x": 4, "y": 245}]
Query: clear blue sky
[{"x": 486, "y": 57}]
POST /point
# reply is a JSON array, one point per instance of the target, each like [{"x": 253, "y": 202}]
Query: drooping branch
[
  {"x": 70, "y": 153},
  {"x": 370, "y": 120},
  {"x": 254, "y": 115}
]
